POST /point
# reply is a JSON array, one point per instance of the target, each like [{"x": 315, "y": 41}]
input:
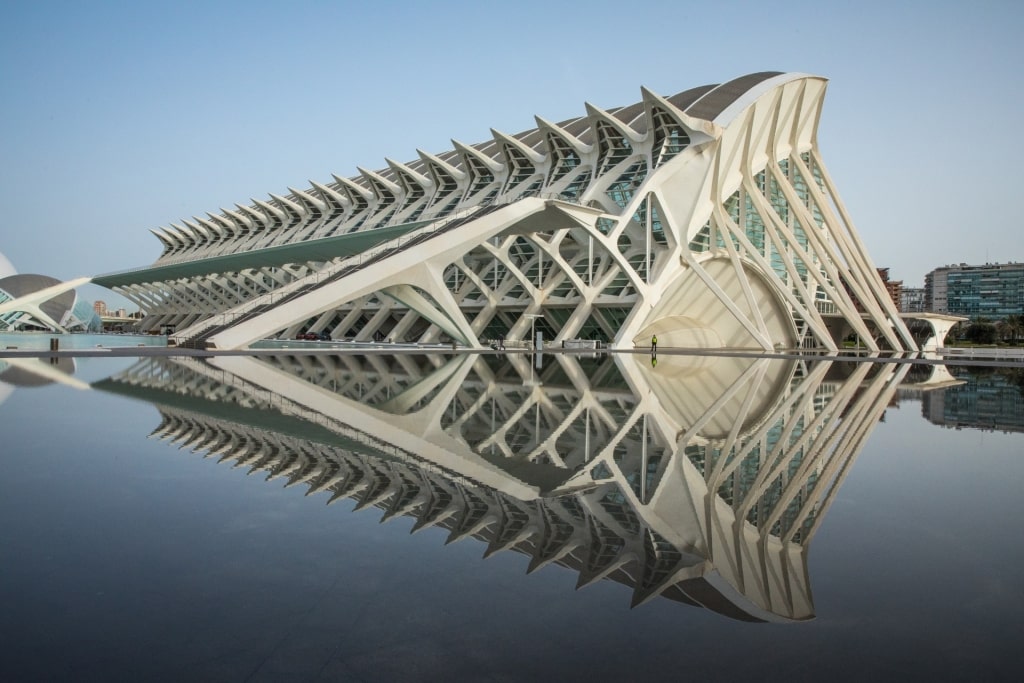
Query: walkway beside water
[
  {"x": 299, "y": 348},
  {"x": 982, "y": 352}
]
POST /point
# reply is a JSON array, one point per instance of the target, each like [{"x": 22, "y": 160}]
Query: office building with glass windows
[
  {"x": 707, "y": 218},
  {"x": 912, "y": 300},
  {"x": 993, "y": 290}
]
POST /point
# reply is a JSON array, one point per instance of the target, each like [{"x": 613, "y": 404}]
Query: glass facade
[{"x": 991, "y": 291}]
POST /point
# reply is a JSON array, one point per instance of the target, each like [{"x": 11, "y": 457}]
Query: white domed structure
[{"x": 29, "y": 301}]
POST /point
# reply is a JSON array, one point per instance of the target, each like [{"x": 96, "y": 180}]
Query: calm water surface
[{"x": 432, "y": 517}]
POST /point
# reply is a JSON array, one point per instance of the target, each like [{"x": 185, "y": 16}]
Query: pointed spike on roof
[
  {"x": 528, "y": 151},
  {"x": 579, "y": 145},
  {"x": 305, "y": 196},
  {"x": 693, "y": 124},
  {"x": 429, "y": 158},
  {"x": 400, "y": 168},
  {"x": 180, "y": 236},
  {"x": 375, "y": 177},
  {"x": 199, "y": 229},
  {"x": 284, "y": 201},
  {"x": 225, "y": 221},
  {"x": 177, "y": 231},
  {"x": 238, "y": 216},
  {"x": 213, "y": 226},
  {"x": 363, "y": 192},
  {"x": 331, "y": 192},
  {"x": 269, "y": 207},
  {"x": 624, "y": 128},
  {"x": 477, "y": 154},
  {"x": 166, "y": 241},
  {"x": 190, "y": 231},
  {"x": 259, "y": 220}
]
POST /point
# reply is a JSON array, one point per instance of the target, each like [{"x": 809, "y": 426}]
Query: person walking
[{"x": 654, "y": 344}]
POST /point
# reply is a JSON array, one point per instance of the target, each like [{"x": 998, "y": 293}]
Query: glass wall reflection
[{"x": 700, "y": 479}]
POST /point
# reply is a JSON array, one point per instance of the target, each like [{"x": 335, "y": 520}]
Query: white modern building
[
  {"x": 42, "y": 303},
  {"x": 707, "y": 218}
]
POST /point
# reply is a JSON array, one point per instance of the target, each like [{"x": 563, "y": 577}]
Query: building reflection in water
[
  {"x": 702, "y": 479},
  {"x": 981, "y": 398},
  {"x": 36, "y": 372}
]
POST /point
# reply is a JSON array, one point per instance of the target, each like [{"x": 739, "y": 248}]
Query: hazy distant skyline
[{"x": 119, "y": 118}]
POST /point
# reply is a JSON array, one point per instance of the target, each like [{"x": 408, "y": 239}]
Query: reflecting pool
[{"x": 509, "y": 517}]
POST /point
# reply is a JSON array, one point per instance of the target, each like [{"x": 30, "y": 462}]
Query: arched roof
[
  {"x": 17, "y": 286},
  {"x": 715, "y": 101},
  {"x": 6, "y": 268}
]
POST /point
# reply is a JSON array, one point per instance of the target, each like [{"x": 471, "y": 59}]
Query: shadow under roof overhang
[{"x": 322, "y": 249}]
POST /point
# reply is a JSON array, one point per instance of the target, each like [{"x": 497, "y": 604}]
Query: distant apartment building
[
  {"x": 893, "y": 288},
  {"x": 993, "y": 290},
  {"x": 912, "y": 300},
  {"x": 100, "y": 307}
]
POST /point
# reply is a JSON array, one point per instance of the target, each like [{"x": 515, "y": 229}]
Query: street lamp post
[{"x": 533, "y": 328}]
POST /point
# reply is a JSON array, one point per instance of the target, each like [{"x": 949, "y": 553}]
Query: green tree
[
  {"x": 981, "y": 333},
  {"x": 1012, "y": 329}
]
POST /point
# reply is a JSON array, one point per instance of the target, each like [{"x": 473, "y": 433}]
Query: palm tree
[{"x": 1012, "y": 328}]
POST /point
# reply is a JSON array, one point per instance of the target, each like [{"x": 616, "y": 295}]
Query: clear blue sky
[{"x": 118, "y": 117}]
